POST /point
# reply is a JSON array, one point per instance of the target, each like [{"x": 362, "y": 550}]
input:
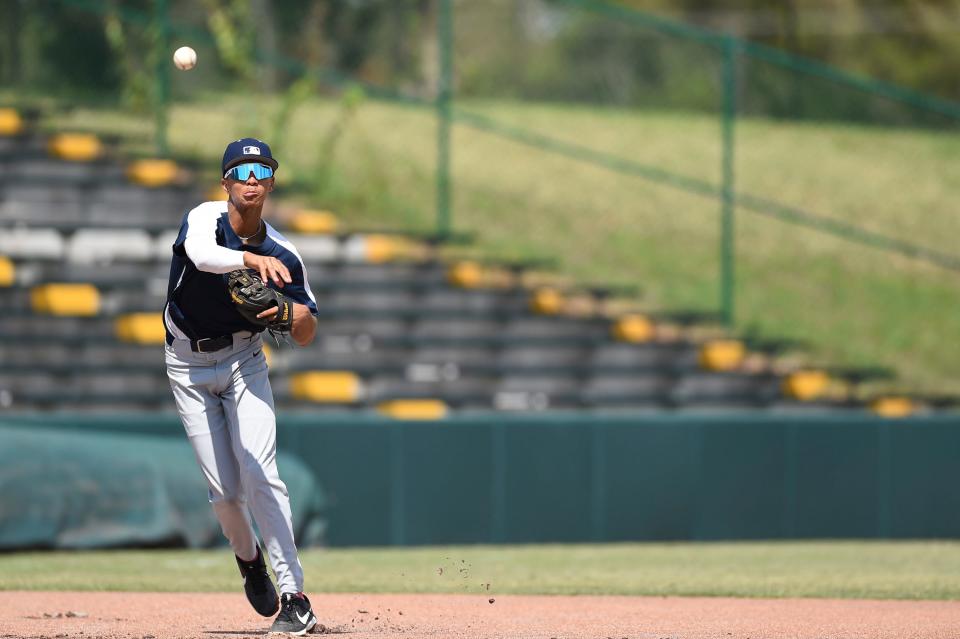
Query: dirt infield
[{"x": 90, "y": 615}]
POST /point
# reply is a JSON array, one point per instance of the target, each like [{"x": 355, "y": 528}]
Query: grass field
[
  {"x": 373, "y": 164},
  {"x": 894, "y": 570}
]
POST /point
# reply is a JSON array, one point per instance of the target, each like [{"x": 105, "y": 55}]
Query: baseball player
[{"x": 215, "y": 313}]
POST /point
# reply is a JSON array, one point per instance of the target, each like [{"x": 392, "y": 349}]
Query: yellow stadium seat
[
  {"x": 380, "y": 248},
  {"x": 893, "y": 407},
  {"x": 546, "y": 301},
  {"x": 140, "y": 328},
  {"x": 805, "y": 385},
  {"x": 423, "y": 409},
  {"x": 633, "y": 328},
  {"x": 8, "y": 272},
  {"x": 268, "y": 354},
  {"x": 216, "y": 194},
  {"x": 465, "y": 274},
  {"x": 76, "y": 147},
  {"x": 66, "y": 299},
  {"x": 10, "y": 122},
  {"x": 316, "y": 222},
  {"x": 334, "y": 387},
  {"x": 153, "y": 173},
  {"x": 722, "y": 355}
]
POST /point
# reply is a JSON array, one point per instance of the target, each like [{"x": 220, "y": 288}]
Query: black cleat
[
  {"x": 256, "y": 583},
  {"x": 296, "y": 617}
]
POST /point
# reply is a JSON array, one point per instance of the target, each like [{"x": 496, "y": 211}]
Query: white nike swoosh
[{"x": 304, "y": 618}]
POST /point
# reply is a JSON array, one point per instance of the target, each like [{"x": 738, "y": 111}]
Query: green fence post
[
  {"x": 727, "y": 254},
  {"x": 444, "y": 97},
  {"x": 162, "y": 86}
]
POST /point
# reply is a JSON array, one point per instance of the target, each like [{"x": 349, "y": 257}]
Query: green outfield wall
[{"x": 575, "y": 478}]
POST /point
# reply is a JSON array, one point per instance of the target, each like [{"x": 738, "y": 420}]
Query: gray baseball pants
[{"x": 226, "y": 406}]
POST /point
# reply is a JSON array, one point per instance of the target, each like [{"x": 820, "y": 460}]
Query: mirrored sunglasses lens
[
  {"x": 262, "y": 172},
  {"x": 243, "y": 171}
]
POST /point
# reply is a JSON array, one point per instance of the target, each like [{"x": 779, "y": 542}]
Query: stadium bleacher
[{"x": 84, "y": 258}]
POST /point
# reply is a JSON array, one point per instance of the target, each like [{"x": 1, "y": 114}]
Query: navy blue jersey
[{"x": 198, "y": 303}]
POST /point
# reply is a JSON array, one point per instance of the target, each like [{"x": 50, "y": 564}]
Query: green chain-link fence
[
  {"x": 793, "y": 199},
  {"x": 802, "y": 201}
]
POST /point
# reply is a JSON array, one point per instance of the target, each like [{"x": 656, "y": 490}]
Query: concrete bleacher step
[
  {"x": 81, "y": 402},
  {"x": 391, "y": 298},
  {"x": 111, "y": 204},
  {"x": 411, "y": 363},
  {"x": 399, "y": 274},
  {"x": 95, "y": 401},
  {"x": 40, "y": 252},
  {"x": 72, "y": 349},
  {"x": 440, "y": 313},
  {"x": 676, "y": 354},
  {"x": 509, "y": 323},
  {"x": 59, "y": 357},
  {"x": 105, "y": 276},
  {"x": 27, "y": 142},
  {"x": 690, "y": 386},
  {"x": 444, "y": 323},
  {"x": 69, "y": 330},
  {"x": 139, "y": 385},
  {"x": 408, "y": 275},
  {"x": 351, "y": 255},
  {"x": 69, "y": 214},
  {"x": 37, "y": 167},
  {"x": 717, "y": 386},
  {"x": 107, "y": 181},
  {"x": 118, "y": 382}
]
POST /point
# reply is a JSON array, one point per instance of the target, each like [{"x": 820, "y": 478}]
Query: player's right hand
[{"x": 270, "y": 268}]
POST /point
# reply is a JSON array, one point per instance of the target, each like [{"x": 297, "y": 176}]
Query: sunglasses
[{"x": 242, "y": 172}]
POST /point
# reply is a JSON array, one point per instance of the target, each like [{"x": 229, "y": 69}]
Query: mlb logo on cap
[{"x": 246, "y": 150}]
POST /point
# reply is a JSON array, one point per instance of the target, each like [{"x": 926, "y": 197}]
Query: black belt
[{"x": 210, "y": 344}]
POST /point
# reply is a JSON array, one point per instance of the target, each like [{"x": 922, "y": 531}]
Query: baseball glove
[{"x": 251, "y": 297}]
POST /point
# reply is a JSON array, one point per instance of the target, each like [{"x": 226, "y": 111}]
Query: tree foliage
[
  {"x": 914, "y": 43},
  {"x": 540, "y": 48}
]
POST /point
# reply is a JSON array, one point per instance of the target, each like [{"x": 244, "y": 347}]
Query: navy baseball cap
[{"x": 247, "y": 150}]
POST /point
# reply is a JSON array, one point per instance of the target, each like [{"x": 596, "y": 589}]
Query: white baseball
[{"x": 185, "y": 58}]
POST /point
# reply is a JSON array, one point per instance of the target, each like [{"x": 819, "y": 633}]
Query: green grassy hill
[{"x": 373, "y": 164}]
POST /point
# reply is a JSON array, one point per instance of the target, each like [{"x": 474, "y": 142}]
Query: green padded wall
[{"x": 496, "y": 479}]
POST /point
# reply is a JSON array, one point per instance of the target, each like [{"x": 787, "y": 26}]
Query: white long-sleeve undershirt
[{"x": 201, "y": 245}]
